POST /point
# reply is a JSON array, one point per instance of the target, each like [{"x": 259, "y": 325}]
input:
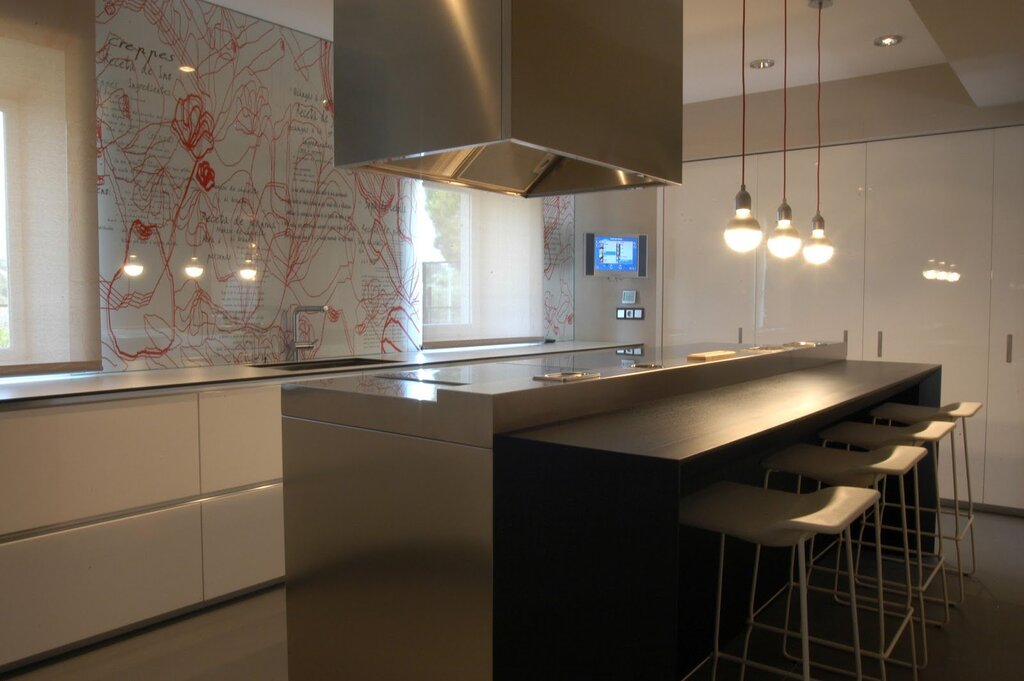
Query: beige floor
[{"x": 245, "y": 640}]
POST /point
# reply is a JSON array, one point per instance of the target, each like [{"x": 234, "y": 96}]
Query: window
[
  {"x": 446, "y": 286},
  {"x": 49, "y": 310},
  {"x": 482, "y": 259}
]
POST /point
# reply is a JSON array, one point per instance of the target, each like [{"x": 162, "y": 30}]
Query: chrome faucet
[{"x": 293, "y": 352}]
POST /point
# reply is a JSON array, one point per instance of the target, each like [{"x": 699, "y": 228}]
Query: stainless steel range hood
[{"x": 528, "y": 97}]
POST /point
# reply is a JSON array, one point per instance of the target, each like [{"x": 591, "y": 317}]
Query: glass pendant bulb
[
  {"x": 819, "y": 249},
  {"x": 248, "y": 270},
  {"x": 194, "y": 269},
  {"x": 743, "y": 233},
  {"x": 784, "y": 241},
  {"x": 133, "y": 266}
]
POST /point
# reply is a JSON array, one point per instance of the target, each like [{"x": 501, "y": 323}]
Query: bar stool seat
[
  {"x": 913, "y": 413},
  {"x": 767, "y": 517},
  {"x": 843, "y": 467},
  {"x": 869, "y": 469},
  {"x": 872, "y": 436},
  {"x": 772, "y": 517},
  {"x": 963, "y": 519}
]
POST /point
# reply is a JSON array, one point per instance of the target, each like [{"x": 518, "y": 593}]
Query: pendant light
[
  {"x": 194, "y": 269},
  {"x": 743, "y": 233},
  {"x": 133, "y": 266},
  {"x": 784, "y": 241},
  {"x": 819, "y": 249}
]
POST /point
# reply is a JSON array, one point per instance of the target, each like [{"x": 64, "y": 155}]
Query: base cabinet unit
[
  {"x": 709, "y": 289},
  {"x": 796, "y": 300},
  {"x": 116, "y": 512},
  {"x": 912, "y": 227},
  {"x": 66, "y": 587},
  {"x": 900, "y": 212},
  {"x": 240, "y": 432},
  {"x": 64, "y": 463},
  {"x": 1004, "y": 409},
  {"x": 243, "y": 540}
]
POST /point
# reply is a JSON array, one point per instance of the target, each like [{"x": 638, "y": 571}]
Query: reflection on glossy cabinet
[
  {"x": 797, "y": 300},
  {"x": 930, "y": 199},
  {"x": 1004, "y": 464},
  {"x": 709, "y": 289}
]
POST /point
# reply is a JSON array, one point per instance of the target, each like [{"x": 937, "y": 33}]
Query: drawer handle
[
  {"x": 1009, "y": 348},
  {"x": 740, "y": 335},
  {"x": 879, "y": 343}
]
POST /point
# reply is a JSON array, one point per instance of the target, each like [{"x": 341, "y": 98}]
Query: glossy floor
[{"x": 246, "y": 639}]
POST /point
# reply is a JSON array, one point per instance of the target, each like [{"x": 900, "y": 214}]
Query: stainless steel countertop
[
  {"x": 35, "y": 390},
  {"x": 470, "y": 403}
]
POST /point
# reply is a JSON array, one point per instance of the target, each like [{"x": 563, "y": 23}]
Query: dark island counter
[
  {"x": 434, "y": 529},
  {"x": 593, "y": 577}
]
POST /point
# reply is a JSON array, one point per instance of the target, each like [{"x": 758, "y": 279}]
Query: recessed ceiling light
[
  {"x": 891, "y": 40},
  {"x": 185, "y": 68},
  {"x": 761, "y": 64}
]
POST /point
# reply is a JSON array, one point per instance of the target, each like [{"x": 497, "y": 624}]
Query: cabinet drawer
[
  {"x": 243, "y": 540},
  {"x": 61, "y": 588},
  {"x": 64, "y": 463},
  {"x": 240, "y": 431}
]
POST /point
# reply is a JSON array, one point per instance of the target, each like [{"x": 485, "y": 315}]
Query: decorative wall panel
[
  {"x": 559, "y": 247},
  {"x": 228, "y": 163}
]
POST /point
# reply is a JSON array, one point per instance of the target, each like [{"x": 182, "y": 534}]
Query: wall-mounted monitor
[{"x": 616, "y": 255}]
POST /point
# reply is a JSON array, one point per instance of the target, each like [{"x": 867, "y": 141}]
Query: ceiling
[
  {"x": 711, "y": 37},
  {"x": 711, "y": 43}
]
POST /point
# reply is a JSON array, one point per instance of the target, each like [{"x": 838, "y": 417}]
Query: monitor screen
[{"x": 619, "y": 254}]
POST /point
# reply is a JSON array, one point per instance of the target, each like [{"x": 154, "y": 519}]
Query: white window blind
[
  {"x": 483, "y": 281},
  {"x": 47, "y": 96}
]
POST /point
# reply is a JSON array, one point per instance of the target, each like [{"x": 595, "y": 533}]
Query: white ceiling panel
[{"x": 711, "y": 43}]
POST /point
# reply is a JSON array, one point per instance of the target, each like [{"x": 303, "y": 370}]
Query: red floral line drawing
[
  {"x": 193, "y": 125},
  {"x": 205, "y": 175},
  {"x": 144, "y": 230}
]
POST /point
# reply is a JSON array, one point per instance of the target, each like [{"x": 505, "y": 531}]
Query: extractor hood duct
[{"x": 527, "y": 97}]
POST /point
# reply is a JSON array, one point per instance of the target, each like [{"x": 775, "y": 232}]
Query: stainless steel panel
[
  {"x": 520, "y": 96},
  {"x": 414, "y": 77},
  {"x": 388, "y": 543},
  {"x": 601, "y": 80}
]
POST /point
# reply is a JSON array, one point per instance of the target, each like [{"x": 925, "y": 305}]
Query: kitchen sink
[{"x": 337, "y": 363}]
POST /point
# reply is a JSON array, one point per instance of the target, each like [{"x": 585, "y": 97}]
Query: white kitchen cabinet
[
  {"x": 1004, "y": 409},
  {"x": 930, "y": 198},
  {"x": 240, "y": 436},
  {"x": 797, "y": 300},
  {"x": 67, "y": 586},
  {"x": 243, "y": 540},
  {"x": 68, "y": 462},
  {"x": 709, "y": 289}
]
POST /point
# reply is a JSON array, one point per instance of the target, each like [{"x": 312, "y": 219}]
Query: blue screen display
[{"x": 616, "y": 253}]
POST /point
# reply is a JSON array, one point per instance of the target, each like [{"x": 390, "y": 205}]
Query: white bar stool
[
  {"x": 766, "y": 517},
  {"x": 871, "y": 436},
  {"x": 893, "y": 412},
  {"x": 868, "y": 470}
]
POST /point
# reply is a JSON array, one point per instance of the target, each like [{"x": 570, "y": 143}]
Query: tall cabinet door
[
  {"x": 797, "y": 300},
  {"x": 930, "y": 198},
  {"x": 1004, "y": 463},
  {"x": 709, "y": 289}
]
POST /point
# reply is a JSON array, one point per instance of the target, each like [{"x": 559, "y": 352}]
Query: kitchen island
[{"x": 480, "y": 524}]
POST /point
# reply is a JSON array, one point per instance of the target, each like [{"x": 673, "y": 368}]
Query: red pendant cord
[
  {"x": 818, "y": 186},
  {"x": 785, "y": 89},
  {"x": 743, "y": 80}
]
